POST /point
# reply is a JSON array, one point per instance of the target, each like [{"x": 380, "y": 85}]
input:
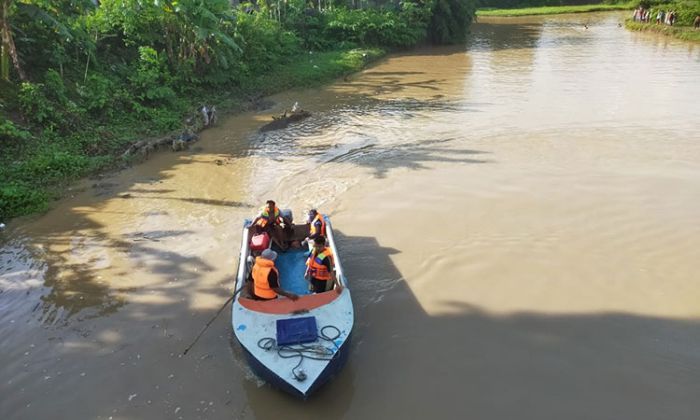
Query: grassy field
[
  {"x": 555, "y": 10},
  {"x": 686, "y": 33}
]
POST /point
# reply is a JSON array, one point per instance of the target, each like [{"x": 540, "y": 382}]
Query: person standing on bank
[
  {"x": 320, "y": 268},
  {"x": 266, "y": 285}
]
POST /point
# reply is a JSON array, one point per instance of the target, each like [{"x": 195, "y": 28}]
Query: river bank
[
  {"x": 685, "y": 33},
  {"x": 554, "y": 10},
  {"x": 570, "y": 155},
  {"x": 38, "y": 170}
]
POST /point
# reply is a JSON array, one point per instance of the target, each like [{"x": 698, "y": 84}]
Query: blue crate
[{"x": 296, "y": 330}]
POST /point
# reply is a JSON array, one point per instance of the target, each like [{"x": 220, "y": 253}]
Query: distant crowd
[{"x": 644, "y": 15}]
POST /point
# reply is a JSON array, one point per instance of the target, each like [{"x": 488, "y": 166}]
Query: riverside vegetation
[
  {"x": 80, "y": 83},
  {"x": 686, "y": 12},
  {"x": 552, "y": 10}
]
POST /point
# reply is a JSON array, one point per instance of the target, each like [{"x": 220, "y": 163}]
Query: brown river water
[{"x": 519, "y": 220}]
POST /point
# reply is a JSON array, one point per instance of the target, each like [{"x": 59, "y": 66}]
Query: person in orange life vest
[
  {"x": 320, "y": 268},
  {"x": 269, "y": 216},
  {"x": 317, "y": 227},
  {"x": 269, "y": 220},
  {"x": 266, "y": 284}
]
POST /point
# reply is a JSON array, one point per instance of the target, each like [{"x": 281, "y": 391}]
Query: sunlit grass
[
  {"x": 554, "y": 10},
  {"x": 686, "y": 33}
]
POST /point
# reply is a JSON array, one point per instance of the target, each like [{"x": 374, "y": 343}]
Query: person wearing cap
[
  {"x": 320, "y": 268},
  {"x": 266, "y": 278},
  {"x": 317, "y": 227}
]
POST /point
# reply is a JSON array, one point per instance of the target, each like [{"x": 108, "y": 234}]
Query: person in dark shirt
[{"x": 317, "y": 227}]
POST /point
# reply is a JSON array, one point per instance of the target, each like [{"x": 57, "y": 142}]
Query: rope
[
  {"x": 303, "y": 351},
  {"x": 212, "y": 320}
]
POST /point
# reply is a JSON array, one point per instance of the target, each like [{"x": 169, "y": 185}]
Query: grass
[
  {"x": 685, "y": 33},
  {"x": 314, "y": 69},
  {"x": 555, "y": 10},
  {"x": 37, "y": 169}
]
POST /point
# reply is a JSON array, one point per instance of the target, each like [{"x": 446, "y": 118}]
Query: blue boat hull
[{"x": 336, "y": 364}]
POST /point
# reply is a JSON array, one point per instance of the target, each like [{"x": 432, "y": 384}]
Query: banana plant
[
  {"x": 9, "y": 51},
  {"x": 44, "y": 12}
]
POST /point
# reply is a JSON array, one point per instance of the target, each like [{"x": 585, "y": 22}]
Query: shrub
[
  {"x": 48, "y": 105},
  {"x": 372, "y": 27},
  {"x": 51, "y": 166},
  {"x": 36, "y": 106},
  {"x": 8, "y": 131},
  {"x": 17, "y": 199},
  {"x": 151, "y": 78},
  {"x": 96, "y": 93},
  {"x": 264, "y": 43},
  {"x": 450, "y": 21}
]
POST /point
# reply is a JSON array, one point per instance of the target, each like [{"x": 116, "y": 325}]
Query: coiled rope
[{"x": 303, "y": 351}]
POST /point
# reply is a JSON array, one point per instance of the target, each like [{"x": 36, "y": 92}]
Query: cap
[{"x": 269, "y": 254}]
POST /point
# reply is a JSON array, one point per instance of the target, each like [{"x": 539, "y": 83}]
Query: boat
[
  {"x": 294, "y": 345},
  {"x": 282, "y": 121}
]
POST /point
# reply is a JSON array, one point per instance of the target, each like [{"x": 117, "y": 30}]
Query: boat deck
[{"x": 291, "y": 266}]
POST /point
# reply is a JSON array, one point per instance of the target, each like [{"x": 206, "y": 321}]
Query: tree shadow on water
[{"x": 408, "y": 362}]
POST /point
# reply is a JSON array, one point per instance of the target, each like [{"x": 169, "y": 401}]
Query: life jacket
[
  {"x": 265, "y": 217},
  {"x": 261, "y": 270},
  {"x": 315, "y": 263},
  {"x": 313, "y": 229}
]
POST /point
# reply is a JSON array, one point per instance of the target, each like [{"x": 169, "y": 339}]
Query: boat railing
[
  {"x": 245, "y": 243},
  {"x": 331, "y": 240}
]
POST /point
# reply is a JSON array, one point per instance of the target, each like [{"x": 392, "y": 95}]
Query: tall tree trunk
[
  {"x": 8, "y": 43},
  {"x": 4, "y": 63}
]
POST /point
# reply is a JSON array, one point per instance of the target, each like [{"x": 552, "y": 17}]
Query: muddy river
[{"x": 518, "y": 217}]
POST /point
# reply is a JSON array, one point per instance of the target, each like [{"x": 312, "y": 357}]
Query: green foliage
[
  {"x": 96, "y": 93},
  {"x": 48, "y": 104},
  {"x": 551, "y": 10},
  {"x": 681, "y": 32},
  {"x": 36, "y": 106},
  {"x": 100, "y": 78},
  {"x": 373, "y": 27},
  {"x": 686, "y": 11},
  {"x": 265, "y": 43},
  {"x": 51, "y": 166},
  {"x": 10, "y": 132},
  {"x": 521, "y": 4},
  {"x": 151, "y": 79},
  {"x": 450, "y": 21},
  {"x": 17, "y": 199},
  {"x": 310, "y": 69}
]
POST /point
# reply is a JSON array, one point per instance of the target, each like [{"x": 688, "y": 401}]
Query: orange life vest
[
  {"x": 312, "y": 229},
  {"x": 265, "y": 217},
  {"x": 315, "y": 263},
  {"x": 261, "y": 270}
]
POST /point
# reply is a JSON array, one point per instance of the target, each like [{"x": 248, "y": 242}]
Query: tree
[
  {"x": 31, "y": 18},
  {"x": 8, "y": 42},
  {"x": 450, "y": 20}
]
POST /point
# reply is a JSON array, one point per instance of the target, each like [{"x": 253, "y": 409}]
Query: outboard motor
[{"x": 287, "y": 216}]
